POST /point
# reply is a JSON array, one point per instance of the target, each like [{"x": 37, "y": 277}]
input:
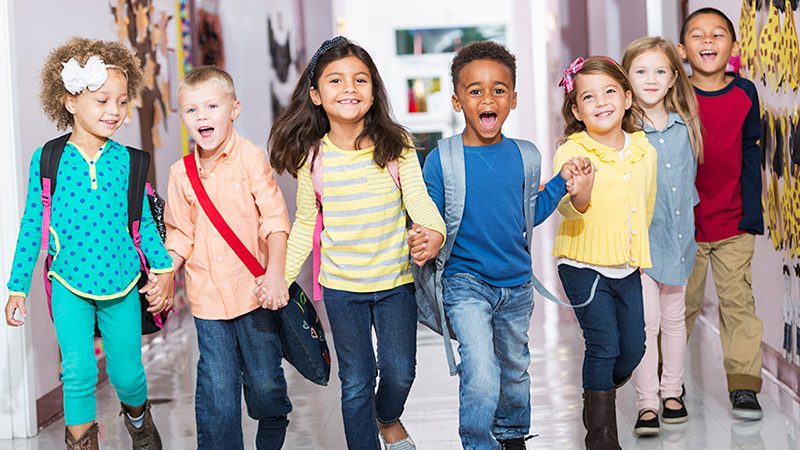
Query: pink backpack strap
[
  {"x": 46, "y": 202},
  {"x": 316, "y": 182},
  {"x": 394, "y": 171}
]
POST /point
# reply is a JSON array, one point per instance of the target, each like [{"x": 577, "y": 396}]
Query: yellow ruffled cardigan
[{"x": 614, "y": 229}]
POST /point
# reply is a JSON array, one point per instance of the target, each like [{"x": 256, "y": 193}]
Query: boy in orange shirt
[{"x": 236, "y": 334}]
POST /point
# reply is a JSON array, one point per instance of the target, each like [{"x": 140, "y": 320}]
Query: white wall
[
  {"x": 35, "y": 34},
  {"x": 18, "y": 412}
]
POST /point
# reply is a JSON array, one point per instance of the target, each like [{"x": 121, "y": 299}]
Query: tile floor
[{"x": 432, "y": 410}]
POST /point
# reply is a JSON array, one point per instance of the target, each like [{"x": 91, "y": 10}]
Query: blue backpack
[{"x": 428, "y": 278}]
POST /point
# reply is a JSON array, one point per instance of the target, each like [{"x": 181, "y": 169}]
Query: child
[
  {"x": 87, "y": 86},
  {"x": 340, "y": 112},
  {"x": 662, "y": 89},
  {"x": 236, "y": 332},
  {"x": 488, "y": 296},
  {"x": 729, "y": 213},
  {"x": 607, "y": 237}
]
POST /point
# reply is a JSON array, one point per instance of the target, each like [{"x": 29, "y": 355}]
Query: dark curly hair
[
  {"x": 482, "y": 50},
  {"x": 53, "y": 91}
]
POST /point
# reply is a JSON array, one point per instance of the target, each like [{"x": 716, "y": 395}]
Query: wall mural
[
  {"x": 287, "y": 52},
  {"x": 770, "y": 57},
  {"x": 144, "y": 29}
]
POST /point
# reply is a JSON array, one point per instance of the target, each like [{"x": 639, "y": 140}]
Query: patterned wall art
[{"x": 770, "y": 57}]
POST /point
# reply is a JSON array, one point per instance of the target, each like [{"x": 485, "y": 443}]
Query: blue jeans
[
  {"x": 393, "y": 314},
  {"x": 491, "y": 325},
  {"x": 613, "y": 324},
  {"x": 241, "y": 352}
]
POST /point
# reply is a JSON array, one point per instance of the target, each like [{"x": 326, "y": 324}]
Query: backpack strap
[
  {"x": 137, "y": 182},
  {"x": 454, "y": 177},
  {"x": 213, "y": 214},
  {"x": 49, "y": 160},
  {"x": 316, "y": 181},
  {"x": 532, "y": 164}
]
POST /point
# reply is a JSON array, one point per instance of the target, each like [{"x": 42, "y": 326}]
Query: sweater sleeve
[
  {"x": 418, "y": 203},
  {"x": 301, "y": 237},
  {"x": 30, "y": 233},
  {"x": 549, "y": 198},
  {"x": 752, "y": 216}
]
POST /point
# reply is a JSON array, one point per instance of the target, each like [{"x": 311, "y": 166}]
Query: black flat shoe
[
  {"x": 649, "y": 427},
  {"x": 679, "y": 415}
]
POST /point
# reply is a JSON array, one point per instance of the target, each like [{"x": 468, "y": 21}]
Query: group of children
[{"x": 632, "y": 138}]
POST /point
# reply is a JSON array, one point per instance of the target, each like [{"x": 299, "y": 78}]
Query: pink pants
[{"x": 664, "y": 308}]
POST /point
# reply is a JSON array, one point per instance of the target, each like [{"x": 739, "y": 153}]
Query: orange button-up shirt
[{"x": 242, "y": 185}]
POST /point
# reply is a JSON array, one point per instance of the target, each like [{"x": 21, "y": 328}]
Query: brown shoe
[
  {"x": 601, "y": 420},
  {"x": 88, "y": 440},
  {"x": 146, "y": 437}
]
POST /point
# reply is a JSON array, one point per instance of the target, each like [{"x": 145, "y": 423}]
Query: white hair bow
[{"x": 91, "y": 76}]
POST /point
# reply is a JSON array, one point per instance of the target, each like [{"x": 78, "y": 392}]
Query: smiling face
[
  {"x": 651, "y": 77},
  {"x": 102, "y": 112},
  {"x": 344, "y": 90},
  {"x": 485, "y": 93},
  {"x": 600, "y": 103},
  {"x": 708, "y": 44},
  {"x": 208, "y": 111}
]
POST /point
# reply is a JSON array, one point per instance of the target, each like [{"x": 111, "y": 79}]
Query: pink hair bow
[{"x": 568, "y": 80}]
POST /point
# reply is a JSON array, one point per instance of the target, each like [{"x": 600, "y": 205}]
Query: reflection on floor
[{"x": 432, "y": 411}]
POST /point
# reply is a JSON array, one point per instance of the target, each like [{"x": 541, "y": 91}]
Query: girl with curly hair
[{"x": 87, "y": 86}]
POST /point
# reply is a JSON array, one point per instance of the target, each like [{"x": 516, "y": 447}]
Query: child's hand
[
  {"x": 578, "y": 165},
  {"x": 271, "y": 291},
  {"x": 161, "y": 292},
  {"x": 580, "y": 191},
  {"x": 424, "y": 244},
  {"x": 15, "y": 303}
]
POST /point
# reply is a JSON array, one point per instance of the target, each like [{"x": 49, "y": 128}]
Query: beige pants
[{"x": 740, "y": 330}]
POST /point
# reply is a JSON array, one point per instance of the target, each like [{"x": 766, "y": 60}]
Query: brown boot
[
  {"x": 600, "y": 418},
  {"x": 145, "y": 437},
  {"x": 87, "y": 441}
]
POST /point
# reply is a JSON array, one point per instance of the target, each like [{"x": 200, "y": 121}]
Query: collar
[
  {"x": 672, "y": 119},
  {"x": 225, "y": 153},
  {"x": 605, "y": 153}
]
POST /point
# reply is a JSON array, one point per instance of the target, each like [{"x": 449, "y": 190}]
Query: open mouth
[
  {"x": 603, "y": 114},
  {"x": 488, "y": 119},
  {"x": 348, "y": 101},
  {"x": 110, "y": 123},
  {"x": 205, "y": 132},
  {"x": 708, "y": 55}
]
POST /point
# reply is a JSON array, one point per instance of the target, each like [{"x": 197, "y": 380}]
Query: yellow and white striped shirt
[{"x": 364, "y": 246}]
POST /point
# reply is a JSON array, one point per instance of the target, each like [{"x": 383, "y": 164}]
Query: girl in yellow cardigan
[{"x": 604, "y": 236}]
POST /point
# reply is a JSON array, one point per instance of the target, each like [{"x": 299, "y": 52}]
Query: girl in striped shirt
[{"x": 338, "y": 131}]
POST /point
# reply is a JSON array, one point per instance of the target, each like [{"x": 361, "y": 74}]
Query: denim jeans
[
  {"x": 613, "y": 324},
  {"x": 241, "y": 352},
  {"x": 491, "y": 324},
  {"x": 393, "y": 314}
]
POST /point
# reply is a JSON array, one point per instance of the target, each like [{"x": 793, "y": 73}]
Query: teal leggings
[{"x": 121, "y": 326}]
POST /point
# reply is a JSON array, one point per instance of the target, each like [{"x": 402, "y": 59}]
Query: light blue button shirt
[{"x": 672, "y": 245}]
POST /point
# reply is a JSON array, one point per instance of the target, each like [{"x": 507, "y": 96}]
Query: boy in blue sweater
[{"x": 488, "y": 295}]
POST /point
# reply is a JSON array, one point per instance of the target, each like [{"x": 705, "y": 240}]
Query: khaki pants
[{"x": 740, "y": 330}]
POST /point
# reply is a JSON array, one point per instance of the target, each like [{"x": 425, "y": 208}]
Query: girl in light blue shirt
[{"x": 661, "y": 87}]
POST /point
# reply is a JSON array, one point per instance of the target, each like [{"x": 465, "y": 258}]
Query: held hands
[
  {"x": 271, "y": 291},
  {"x": 159, "y": 291},
  {"x": 580, "y": 186},
  {"x": 424, "y": 244},
  {"x": 15, "y": 303},
  {"x": 579, "y": 165}
]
